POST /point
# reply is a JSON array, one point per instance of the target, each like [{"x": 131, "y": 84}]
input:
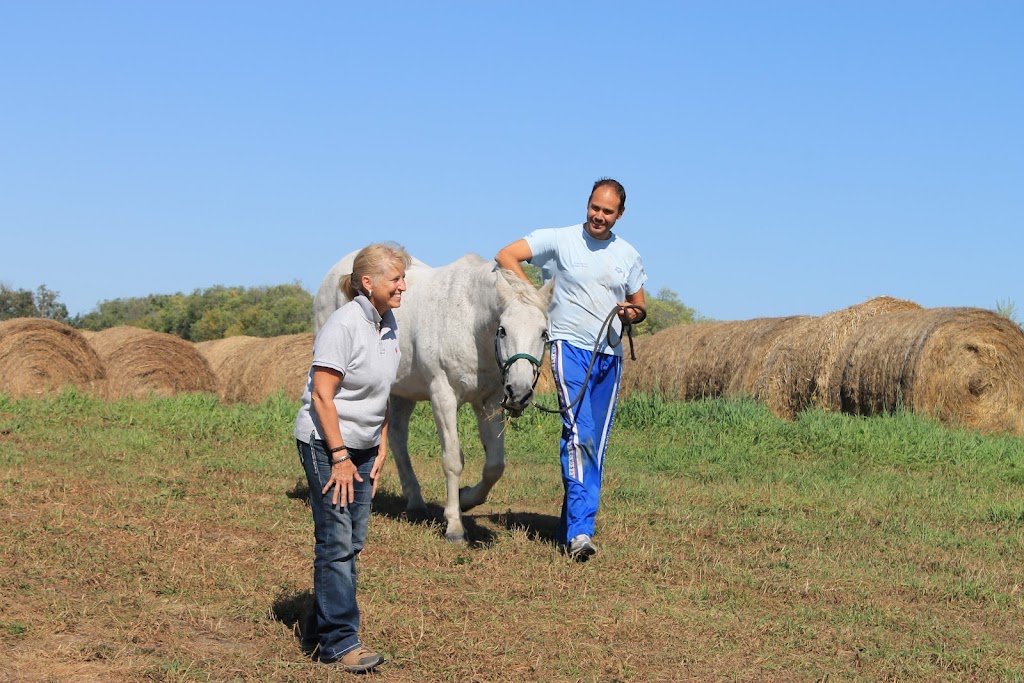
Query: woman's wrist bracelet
[
  {"x": 340, "y": 460},
  {"x": 332, "y": 451}
]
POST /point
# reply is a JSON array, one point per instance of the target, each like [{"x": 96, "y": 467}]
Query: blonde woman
[{"x": 341, "y": 433}]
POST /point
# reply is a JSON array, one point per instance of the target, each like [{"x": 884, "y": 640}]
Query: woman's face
[{"x": 386, "y": 290}]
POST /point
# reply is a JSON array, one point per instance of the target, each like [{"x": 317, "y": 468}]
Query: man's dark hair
[{"x": 615, "y": 185}]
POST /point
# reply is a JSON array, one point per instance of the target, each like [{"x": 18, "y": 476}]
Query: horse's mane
[{"x": 525, "y": 292}]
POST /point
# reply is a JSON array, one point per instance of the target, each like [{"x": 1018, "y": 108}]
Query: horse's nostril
[{"x": 508, "y": 390}]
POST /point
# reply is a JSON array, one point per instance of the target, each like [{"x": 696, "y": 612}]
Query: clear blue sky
[{"x": 780, "y": 157}]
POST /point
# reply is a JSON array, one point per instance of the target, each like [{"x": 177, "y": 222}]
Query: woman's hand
[
  {"x": 342, "y": 476},
  {"x": 378, "y": 464}
]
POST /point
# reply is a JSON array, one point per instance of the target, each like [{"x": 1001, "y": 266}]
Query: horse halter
[{"x": 506, "y": 364}]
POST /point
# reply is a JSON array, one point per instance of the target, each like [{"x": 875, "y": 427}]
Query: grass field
[{"x": 170, "y": 540}]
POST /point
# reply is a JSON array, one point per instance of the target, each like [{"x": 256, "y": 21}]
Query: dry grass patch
[{"x": 170, "y": 541}]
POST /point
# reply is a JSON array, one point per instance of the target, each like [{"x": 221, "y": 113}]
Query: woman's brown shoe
[{"x": 360, "y": 660}]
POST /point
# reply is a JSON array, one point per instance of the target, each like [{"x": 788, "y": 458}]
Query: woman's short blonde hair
[{"x": 374, "y": 261}]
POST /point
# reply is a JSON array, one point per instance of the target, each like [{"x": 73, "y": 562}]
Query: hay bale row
[
  {"x": 38, "y": 356},
  {"x": 251, "y": 369},
  {"x": 964, "y": 366},
  {"x": 142, "y": 363}
]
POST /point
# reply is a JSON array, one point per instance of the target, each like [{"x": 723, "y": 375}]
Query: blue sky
[{"x": 780, "y": 158}]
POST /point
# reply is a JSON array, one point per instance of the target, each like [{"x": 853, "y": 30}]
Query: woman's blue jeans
[{"x": 340, "y": 534}]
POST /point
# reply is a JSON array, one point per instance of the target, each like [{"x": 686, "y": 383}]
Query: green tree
[
  {"x": 23, "y": 303},
  {"x": 535, "y": 274},
  {"x": 665, "y": 310},
  {"x": 211, "y": 313}
]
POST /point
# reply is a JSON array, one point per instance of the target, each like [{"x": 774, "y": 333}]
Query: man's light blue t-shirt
[{"x": 591, "y": 277}]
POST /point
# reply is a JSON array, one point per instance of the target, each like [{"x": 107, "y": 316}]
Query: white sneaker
[{"x": 581, "y": 548}]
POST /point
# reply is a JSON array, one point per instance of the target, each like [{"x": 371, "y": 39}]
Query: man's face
[{"x": 602, "y": 212}]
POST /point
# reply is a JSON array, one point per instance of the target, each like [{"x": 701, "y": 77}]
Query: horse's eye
[
  {"x": 544, "y": 336},
  {"x": 501, "y": 332}
]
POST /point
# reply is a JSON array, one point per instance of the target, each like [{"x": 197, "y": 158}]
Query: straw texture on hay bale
[
  {"x": 143, "y": 362},
  {"x": 545, "y": 381},
  {"x": 252, "y": 369},
  {"x": 701, "y": 360},
  {"x": 282, "y": 364},
  {"x": 964, "y": 366},
  {"x": 39, "y": 355},
  {"x": 805, "y": 363},
  {"x": 228, "y": 358}
]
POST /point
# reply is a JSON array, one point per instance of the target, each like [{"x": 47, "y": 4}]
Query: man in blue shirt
[{"x": 595, "y": 271}]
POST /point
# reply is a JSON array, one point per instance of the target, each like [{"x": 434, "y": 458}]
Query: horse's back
[{"x": 437, "y": 323}]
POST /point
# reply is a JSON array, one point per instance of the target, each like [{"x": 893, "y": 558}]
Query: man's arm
[{"x": 515, "y": 254}]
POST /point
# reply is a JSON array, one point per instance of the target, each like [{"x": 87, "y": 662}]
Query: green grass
[{"x": 168, "y": 540}]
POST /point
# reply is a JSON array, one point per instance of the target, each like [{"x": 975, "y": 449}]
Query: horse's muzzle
[{"x": 514, "y": 408}]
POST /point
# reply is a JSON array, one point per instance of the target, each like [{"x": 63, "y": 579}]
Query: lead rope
[{"x": 606, "y": 331}]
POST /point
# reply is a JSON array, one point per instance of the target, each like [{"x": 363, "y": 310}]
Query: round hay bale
[
  {"x": 805, "y": 362},
  {"x": 749, "y": 346},
  {"x": 229, "y": 358},
  {"x": 667, "y": 363},
  {"x": 281, "y": 365},
  {"x": 545, "y": 381},
  {"x": 963, "y": 366},
  {"x": 700, "y": 360},
  {"x": 39, "y": 355},
  {"x": 143, "y": 362},
  {"x": 252, "y": 369}
]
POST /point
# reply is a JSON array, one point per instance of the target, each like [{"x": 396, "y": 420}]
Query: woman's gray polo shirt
[{"x": 361, "y": 345}]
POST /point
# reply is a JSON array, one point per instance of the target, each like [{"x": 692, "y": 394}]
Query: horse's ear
[
  {"x": 547, "y": 290},
  {"x": 505, "y": 279}
]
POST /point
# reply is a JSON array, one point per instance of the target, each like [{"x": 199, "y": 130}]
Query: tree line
[{"x": 219, "y": 311}]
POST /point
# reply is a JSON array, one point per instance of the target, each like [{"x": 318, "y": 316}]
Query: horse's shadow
[{"x": 539, "y": 528}]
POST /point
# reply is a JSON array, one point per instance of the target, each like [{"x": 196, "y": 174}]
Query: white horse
[{"x": 464, "y": 329}]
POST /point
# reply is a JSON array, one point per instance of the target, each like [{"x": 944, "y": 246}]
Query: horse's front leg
[
  {"x": 445, "y": 407},
  {"x": 490, "y": 425}
]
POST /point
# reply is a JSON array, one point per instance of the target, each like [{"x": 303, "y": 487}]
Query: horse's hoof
[{"x": 455, "y": 539}]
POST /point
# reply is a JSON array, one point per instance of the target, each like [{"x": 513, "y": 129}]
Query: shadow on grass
[
  {"x": 295, "y": 610},
  {"x": 538, "y": 527},
  {"x": 392, "y": 506},
  {"x": 300, "y": 491}
]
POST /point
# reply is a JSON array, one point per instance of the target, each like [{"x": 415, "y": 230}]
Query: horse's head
[{"x": 521, "y": 338}]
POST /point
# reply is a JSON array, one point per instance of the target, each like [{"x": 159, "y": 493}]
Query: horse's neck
[
  {"x": 476, "y": 287},
  {"x": 489, "y": 308}
]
